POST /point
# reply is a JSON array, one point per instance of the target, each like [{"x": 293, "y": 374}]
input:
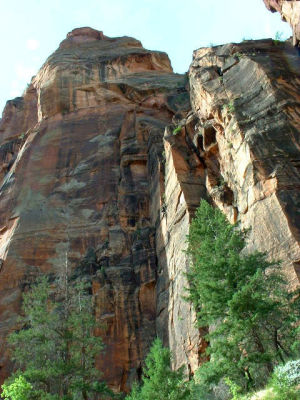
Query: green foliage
[
  {"x": 159, "y": 382},
  {"x": 242, "y": 298},
  {"x": 278, "y": 38},
  {"x": 238, "y": 55},
  {"x": 229, "y": 107},
  {"x": 177, "y": 130},
  {"x": 284, "y": 380},
  {"x": 234, "y": 389},
  {"x": 57, "y": 348},
  {"x": 18, "y": 389},
  {"x": 289, "y": 371}
]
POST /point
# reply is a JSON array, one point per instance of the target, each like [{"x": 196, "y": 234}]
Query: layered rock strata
[
  {"x": 178, "y": 184},
  {"x": 290, "y": 12},
  {"x": 239, "y": 149},
  {"x": 246, "y": 97},
  {"x": 93, "y": 182},
  {"x": 75, "y": 186}
]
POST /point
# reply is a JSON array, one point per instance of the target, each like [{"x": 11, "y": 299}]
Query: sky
[{"x": 30, "y": 30}]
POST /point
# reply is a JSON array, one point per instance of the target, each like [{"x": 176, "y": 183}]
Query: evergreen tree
[
  {"x": 243, "y": 299},
  {"x": 159, "y": 381},
  {"x": 56, "y": 348}
]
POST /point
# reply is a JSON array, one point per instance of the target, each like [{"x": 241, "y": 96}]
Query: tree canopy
[
  {"x": 242, "y": 298},
  {"x": 55, "y": 349},
  {"x": 159, "y": 381}
]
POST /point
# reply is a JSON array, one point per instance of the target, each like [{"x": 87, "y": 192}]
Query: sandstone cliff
[
  {"x": 105, "y": 159},
  {"x": 246, "y": 97},
  {"x": 75, "y": 185}
]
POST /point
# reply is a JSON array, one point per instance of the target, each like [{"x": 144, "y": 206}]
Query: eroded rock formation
[
  {"x": 239, "y": 149},
  {"x": 74, "y": 154},
  {"x": 103, "y": 163},
  {"x": 290, "y": 12},
  {"x": 246, "y": 97}
]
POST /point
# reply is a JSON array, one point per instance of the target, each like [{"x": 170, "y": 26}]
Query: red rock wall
[
  {"x": 239, "y": 148},
  {"x": 75, "y": 184},
  {"x": 91, "y": 180},
  {"x": 246, "y": 97}
]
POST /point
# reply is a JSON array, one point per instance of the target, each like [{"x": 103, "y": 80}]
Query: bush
[
  {"x": 290, "y": 371},
  {"x": 284, "y": 380}
]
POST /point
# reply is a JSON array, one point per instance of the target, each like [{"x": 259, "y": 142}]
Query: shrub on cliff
[
  {"x": 243, "y": 299},
  {"x": 159, "y": 381},
  {"x": 56, "y": 348}
]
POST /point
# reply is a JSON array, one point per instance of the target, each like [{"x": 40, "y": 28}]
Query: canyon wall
[
  {"x": 239, "y": 148},
  {"x": 75, "y": 186},
  {"x": 246, "y": 97},
  {"x": 104, "y": 161}
]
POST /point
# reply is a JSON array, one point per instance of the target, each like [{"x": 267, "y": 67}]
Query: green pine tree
[
  {"x": 159, "y": 381},
  {"x": 243, "y": 298},
  {"x": 56, "y": 348}
]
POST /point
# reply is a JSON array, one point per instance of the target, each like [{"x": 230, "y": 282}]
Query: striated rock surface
[
  {"x": 239, "y": 149},
  {"x": 103, "y": 164},
  {"x": 75, "y": 186},
  {"x": 246, "y": 97},
  {"x": 177, "y": 185},
  {"x": 290, "y": 12}
]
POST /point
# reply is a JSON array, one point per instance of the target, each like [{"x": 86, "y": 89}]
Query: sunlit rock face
[
  {"x": 75, "y": 186},
  {"x": 239, "y": 149},
  {"x": 290, "y": 12},
  {"x": 246, "y": 97},
  {"x": 103, "y": 164}
]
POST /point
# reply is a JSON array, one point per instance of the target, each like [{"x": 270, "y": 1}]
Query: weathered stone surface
[
  {"x": 91, "y": 180},
  {"x": 184, "y": 188},
  {"x": 75, "y": 184},
  {"x": 177, "y": 186},
  {"x": 290, "y": 12},
  {"x": 247, "y": 99}
]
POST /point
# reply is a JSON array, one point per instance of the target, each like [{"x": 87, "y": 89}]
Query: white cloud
[{"x": 32, "y": 44}]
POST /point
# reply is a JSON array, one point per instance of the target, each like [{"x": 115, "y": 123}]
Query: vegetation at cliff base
[
  {"x": 252, "y": 318},
  {"x": 159, "y": 381},
  {"x": 56, "y": 348},
  {"x": 244, "y": 301}
]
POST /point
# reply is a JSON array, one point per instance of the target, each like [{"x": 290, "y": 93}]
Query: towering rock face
[
  {"x": 290, "y": 12},
  {"x": 239, "y": 149},
  {"x": 103, "y": 164},
  {"x": 246, "y": 97},
  {"x": 75, "y": 186}
]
